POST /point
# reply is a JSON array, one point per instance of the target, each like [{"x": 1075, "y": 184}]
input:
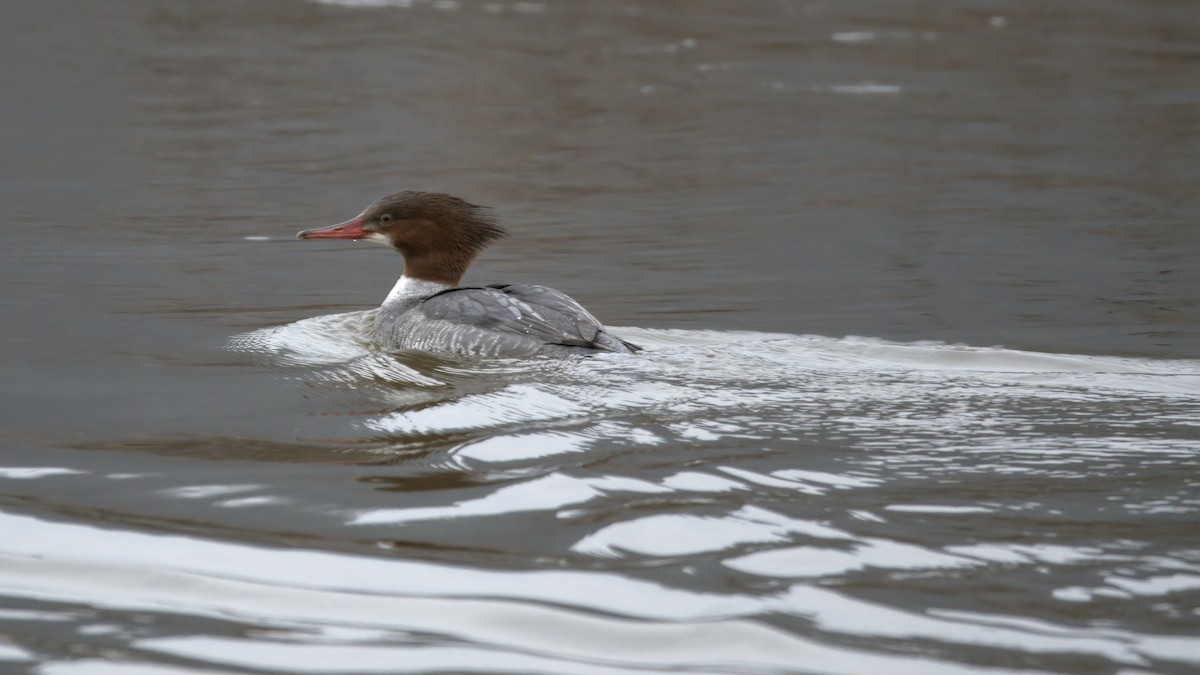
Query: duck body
[
  {"x": 504, "y": 320},
  {"x": 427, "y": 310}
]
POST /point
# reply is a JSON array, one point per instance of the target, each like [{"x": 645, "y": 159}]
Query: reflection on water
[
  {"x": 806, "y": 481},
  {"x": 738, "y": 181}
]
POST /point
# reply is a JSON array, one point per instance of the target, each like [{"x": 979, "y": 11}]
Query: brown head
[{"x": 438, "y": 235}]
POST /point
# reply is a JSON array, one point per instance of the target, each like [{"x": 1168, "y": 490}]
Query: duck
[{"x": 428, "y": 309}]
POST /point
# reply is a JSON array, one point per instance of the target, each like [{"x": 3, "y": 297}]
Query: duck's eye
[{"x": 385, "y": 218}]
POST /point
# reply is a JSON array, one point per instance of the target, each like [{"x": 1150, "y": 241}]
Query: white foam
[{"x": 34, "y": 472}]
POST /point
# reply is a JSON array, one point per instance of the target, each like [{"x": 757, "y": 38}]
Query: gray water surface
[{"x": 919, "y": 283}]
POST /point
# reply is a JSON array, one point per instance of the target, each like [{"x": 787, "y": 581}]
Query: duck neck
[{"x": 443, "y": 265}]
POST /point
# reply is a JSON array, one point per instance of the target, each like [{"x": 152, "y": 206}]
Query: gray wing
[{"x": 543, "y": 314}]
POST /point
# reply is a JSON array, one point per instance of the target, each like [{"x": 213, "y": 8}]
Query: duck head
[{"x": 438, "y": 235}]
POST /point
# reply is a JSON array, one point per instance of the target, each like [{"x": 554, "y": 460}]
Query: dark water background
[{"x": 722, "y": 176}]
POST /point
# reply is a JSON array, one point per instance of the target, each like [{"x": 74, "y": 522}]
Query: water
[{"x": 206, "y": 466}]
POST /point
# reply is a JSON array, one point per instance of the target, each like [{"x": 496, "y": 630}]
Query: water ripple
[{"x": 726, "y": 502}]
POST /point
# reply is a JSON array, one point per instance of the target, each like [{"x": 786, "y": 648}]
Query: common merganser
[{"x": 439, "y": 237}]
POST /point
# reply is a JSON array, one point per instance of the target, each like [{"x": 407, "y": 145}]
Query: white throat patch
[{"x": 409, "y": 290}]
